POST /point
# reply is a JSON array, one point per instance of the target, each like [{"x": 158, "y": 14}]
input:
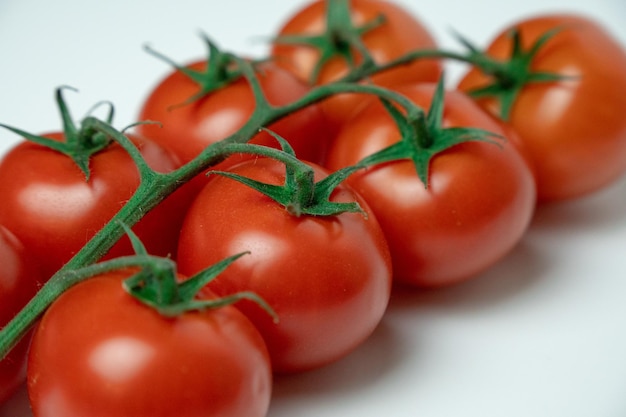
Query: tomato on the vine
[
  {"x": 52, "y": 208},
  {"x": 98, "y": 351},
  {"x": 397, "y": 33},
  {"x": 187, "y": 127},
  {"x": 573, "y": 127},
  {"x": 19, "y": 280},
  {"x": 474, "y": 206},
  {"x": 327, "y": 277}
]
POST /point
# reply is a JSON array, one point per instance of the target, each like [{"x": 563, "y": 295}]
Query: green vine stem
[
  {"x": 300, "y": 194},
  {"x": 157, "y": 284},
  {"x": 155, "y": 187},
  {"x": 61, "y": 281},
  {"x": 508, "y": 76}
]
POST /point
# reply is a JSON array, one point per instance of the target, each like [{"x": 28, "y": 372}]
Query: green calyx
[
  {"x": 340, "y": 39},
  {"x": 157, "y": 286},
  {"x": 299, "y": 194},
  {"x": 221, "y": 70},
  {"x": 422, "y": 136},
  {"x": 510, "y": 76},
  {"x": 80, "y": 143}
]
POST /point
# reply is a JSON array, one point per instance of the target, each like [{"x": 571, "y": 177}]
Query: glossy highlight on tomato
[
  {"x": 327, "y": 277},
  {"x": 99, "y": 352},
  {"x": 53, "y": 210},
  {"x": 477, "y": 205},
  {"x": 574, "y": 129}
]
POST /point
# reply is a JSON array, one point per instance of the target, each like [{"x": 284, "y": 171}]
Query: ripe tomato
[
  {"x": 478, "y": 203},
  {"x": 100, "y": 352},
  {"x": 327, "y": 278},
  {"x": 19, "y": 279},
  {"x": 400, "y": 33},
  {"x": 187, "y": 129},
  {"x": 574, "y": 128},
  {"x": 54, "y": 211}
]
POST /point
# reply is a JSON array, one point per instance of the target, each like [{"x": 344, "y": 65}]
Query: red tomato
[
  {"x": 187, "y": 129},
  {"x": 54, "y": 211},
  {"x": 327, "y": 278},
  {"x": 400, "y": 33},
  {"x": 19, "y": 279},
  {"x": 478, "y": 204},
  {"x": 574, "y": 129},
  {"x": 100, "y": 352}
]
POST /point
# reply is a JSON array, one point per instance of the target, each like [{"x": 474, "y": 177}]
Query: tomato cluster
[{"x": 367, "y": 174}]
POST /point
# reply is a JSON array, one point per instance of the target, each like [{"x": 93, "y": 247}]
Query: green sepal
[
  {"x": 300, "y": 194},
  {"x": 80, "y": 144},
  {"x": 423, "y": 137},
  {"x": 138, "y": 247},
  {"x": 340, "y": 39},
  {"x": 154, "y": 284},
  {"x": 157, "y": 286},
  {"x": 221, "y": 70},
  {"x": 160, "y": 289},
  {"x": 510, "y": 76}
]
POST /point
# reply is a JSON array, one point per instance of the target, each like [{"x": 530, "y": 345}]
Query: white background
[{"x": 542, "y": 334}]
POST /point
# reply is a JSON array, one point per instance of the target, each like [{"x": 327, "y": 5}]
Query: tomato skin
[
  {"x": 19, "y": 281},
  {"x": 575, "y": 129},
  {"x": 187, "y": 129},
  {"x": 54, "y": 211},
  {"x": 478, "y": 204},
  {"x": 401, "y": 33},
  {"x": 328, "y": 279},
  {"x": 99, "y": 352}
]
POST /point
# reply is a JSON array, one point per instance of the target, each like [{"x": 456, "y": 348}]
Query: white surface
[{"x": 540, "y": 335}]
